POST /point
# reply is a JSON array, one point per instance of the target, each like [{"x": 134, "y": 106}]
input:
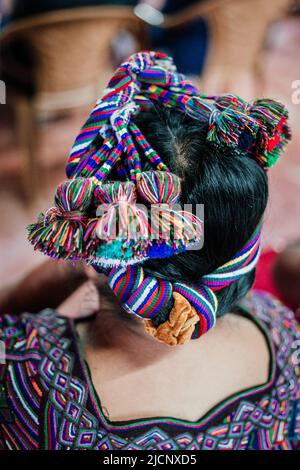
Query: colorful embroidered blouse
[{"x": 48, "y": 401}]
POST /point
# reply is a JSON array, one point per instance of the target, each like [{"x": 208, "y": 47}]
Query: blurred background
[{"x": 56, "y": 56}]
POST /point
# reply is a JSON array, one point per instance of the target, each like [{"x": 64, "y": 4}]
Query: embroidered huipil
[{"x": 47, "y": 399}]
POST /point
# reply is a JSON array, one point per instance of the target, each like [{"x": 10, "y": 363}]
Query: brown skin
[{"x": 135, "y": 375}]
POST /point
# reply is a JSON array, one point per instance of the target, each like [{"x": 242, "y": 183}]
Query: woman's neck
[
  {"x": 109, "y": 332},
  {"x": 136, "y": 376}
]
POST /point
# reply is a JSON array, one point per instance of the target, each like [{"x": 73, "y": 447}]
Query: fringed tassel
[
  {"x": 225, "y": 127},
  {"x": 175, "y": 228},
  {"x": 120, "y": 220},
  {"x": 158, "y": 187},
  {"x": 90, "y": 240},
  {"x": 59, "y": 232},
  {"x": 273, "y": 134},
  {"x": 265, "y": 120},
  {"x": 268, "y": 113},
  {"x": 228, "y": 120},
  {"x": 230, "y": 101},
  {"x": 170, "y": 227}
]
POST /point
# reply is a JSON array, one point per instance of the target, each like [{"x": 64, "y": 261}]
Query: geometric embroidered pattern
[{"x": 47, "y": 400}]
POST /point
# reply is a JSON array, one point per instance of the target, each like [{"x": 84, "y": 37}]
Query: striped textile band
[
  {"x": 145, "y": 296},
  {"x": 140, "y": 295},
  {"x": 242, "y": 263}
]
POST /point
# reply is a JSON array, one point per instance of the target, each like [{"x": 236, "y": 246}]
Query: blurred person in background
[
  {"x": 17, "y": 60},
  {"x": 186, "y": 43}
]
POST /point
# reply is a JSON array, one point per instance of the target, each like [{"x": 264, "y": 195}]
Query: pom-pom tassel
[
  {"x": 268, "y": 113},
  {"x": 91, "y": 242},
  {"x": 168, "y": 225},
  {"x": 274, "y": 132},
  {"x": 226, "y": 126},
  {"x": 59, "y": 232},
  {"x": 158, "y": 187},
  {"x": 175, "y": 228},
  {"x": 120, "y": 219}
]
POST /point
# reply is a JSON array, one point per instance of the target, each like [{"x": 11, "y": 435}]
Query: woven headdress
[{"x": 114, "y": 175}]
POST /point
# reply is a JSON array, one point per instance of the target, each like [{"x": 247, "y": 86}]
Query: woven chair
[
  {"x": 71, "y": 51},
  {"x": 237, "y": 33}
]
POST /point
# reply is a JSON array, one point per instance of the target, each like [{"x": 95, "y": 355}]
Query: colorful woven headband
[{"x": 145, "y": 296}]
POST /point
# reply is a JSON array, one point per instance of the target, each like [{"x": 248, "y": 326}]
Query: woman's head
[
  {"x": 230, "y": 184},
  {"x": 154, "y": 139}
]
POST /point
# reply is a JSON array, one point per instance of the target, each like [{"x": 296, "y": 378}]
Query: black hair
[{"x": 232, "y": 186}]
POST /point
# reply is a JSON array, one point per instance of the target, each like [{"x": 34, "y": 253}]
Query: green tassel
[{"x": 274, "y": 132}]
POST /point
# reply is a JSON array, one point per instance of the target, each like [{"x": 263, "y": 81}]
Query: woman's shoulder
[
  {"x": 280, "y": 327},
  {"x": 259, "y": 346}
]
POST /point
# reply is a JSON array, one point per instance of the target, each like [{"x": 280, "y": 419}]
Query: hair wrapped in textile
[{"x": 102, "y": 214}]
